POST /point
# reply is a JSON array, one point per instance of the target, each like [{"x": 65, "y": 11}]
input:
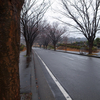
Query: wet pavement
[
  {"x": 28, "y": 89},
  {"x": 25, "y": 74},
  {"x": 78, "y": 75},
  {"x": 33, "y": 83}
]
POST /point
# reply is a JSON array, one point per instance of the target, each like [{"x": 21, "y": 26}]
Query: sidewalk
[{"x": 28, "y": 89}]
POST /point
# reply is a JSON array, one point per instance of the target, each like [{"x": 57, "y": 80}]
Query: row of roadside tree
[{"x": 85, "y": 15}]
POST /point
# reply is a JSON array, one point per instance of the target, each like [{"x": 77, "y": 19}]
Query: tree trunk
[
  {"x": 46, "y": 46},
  {"x": 9, "y": 49},
  {"x": 28, "y": 48},
  {"x": 40, "y": 45},
  {"x": 54, "y": 47},
  {"x": 90, "y": 47}
]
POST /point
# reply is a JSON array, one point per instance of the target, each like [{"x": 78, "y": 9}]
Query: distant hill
[{"x": 71, "y": 39}]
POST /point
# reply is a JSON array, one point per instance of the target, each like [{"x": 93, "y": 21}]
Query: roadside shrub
[
  {"x": 50, "y": 47},
  {"x": 21, "y": 47},
  {"x": 94, "y": 49},
  {"x": 73, "y": 47}
]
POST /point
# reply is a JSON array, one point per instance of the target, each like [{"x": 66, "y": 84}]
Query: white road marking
[
  {"x": 68, "y": 57},
  {"x": 66, "y": 95}
]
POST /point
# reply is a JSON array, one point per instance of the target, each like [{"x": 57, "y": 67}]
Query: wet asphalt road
[{"x": 79, "y": 75}]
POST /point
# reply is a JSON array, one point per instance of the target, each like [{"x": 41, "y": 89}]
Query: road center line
[{"x": 56, "y": 81}]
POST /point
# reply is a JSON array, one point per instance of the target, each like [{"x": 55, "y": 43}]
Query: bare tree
[
  {"x": 45, "y": 39},
  {"x": 55, "y": 32},
  {"x": 38, "y": 41},
  {"x": 9, "y": 49},
  {"x": 86, "y": 15},
  {"x": 31, "y": 14},
  {"x": 65, "y": 40}
]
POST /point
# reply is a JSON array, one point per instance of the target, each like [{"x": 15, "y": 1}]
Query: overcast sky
[
  {"x": 50, "y": 12},
  {"x": 53, "y": 12}
]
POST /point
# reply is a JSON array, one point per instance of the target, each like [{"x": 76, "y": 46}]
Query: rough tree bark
[
  {"x": 9, "y": 49},
  {"x": 28, "y": 51},
  {"x": 54, "y": 47},
  {"x": 90, "y": 47},
  {"x": 46, "y": 46}
]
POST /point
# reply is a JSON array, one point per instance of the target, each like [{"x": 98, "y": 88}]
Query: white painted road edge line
[{"x": 56, "y": 81}]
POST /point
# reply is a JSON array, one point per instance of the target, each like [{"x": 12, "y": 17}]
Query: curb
[
  {"x": 74, "y": 53},
  {"x": 33, "y": 80},
  {"x": 78, "y": 54}
]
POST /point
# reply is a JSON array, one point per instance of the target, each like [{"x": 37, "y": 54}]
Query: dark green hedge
[{"x": 22, "y": 47}]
